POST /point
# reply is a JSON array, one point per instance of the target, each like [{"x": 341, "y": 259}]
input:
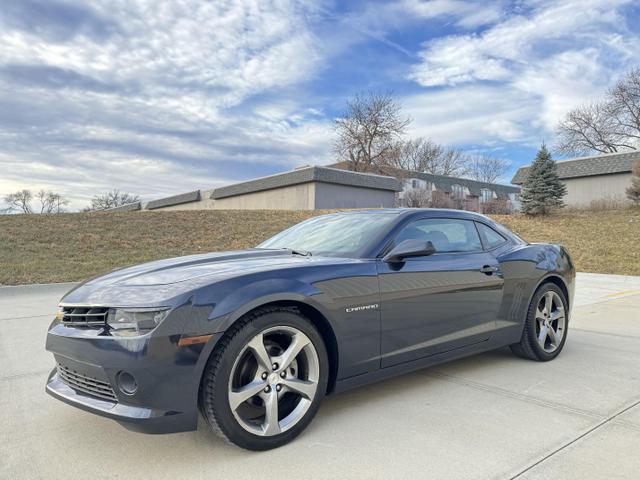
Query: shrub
[
  {"x": 498, "y": 206},
  {"x": 633, "y": 192}
]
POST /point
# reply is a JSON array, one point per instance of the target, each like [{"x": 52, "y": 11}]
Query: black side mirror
[{"x": 409, "y": 248}]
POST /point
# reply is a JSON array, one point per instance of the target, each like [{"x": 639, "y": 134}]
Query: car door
[{"x": 440, "y": 302}]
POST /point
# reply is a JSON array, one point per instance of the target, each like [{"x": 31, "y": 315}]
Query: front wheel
[
  {"x": 546, "y": 325},
  {"x": 265, "y": 380}
]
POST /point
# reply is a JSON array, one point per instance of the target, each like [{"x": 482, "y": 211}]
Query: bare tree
[
  {"x": 624, "y": 105},
  {"x": 608, "y": 126},
  {"x": 369, "y": 131},
  {"x": 425, "y": 156},
  {"x": 111, "y": 199},
  {"x": 452, "y": 163},
  {"x": 19, "y": 201},
  {"x": 590, "y": 128},
  {"x": 51, "y": 202},
  {"x": 486, "y": 168},
  {"x": 417, "y": 198}
]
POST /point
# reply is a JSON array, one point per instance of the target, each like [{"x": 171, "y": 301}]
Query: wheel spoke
[
  {"x": 548, "y": 303},
  {"x": 257, "y": 347},
  {"x": 241, "y": 395},
  {"x": 553, "y": 336},
  {"x": 539, "y": 314},
  {"x": 298, "y": 342},
  {"x": 557, "y": 315},
  {"x": 542, "y": 338},
  {"x": 271, "y": 425},
  {"x": 304, "y": 387}
]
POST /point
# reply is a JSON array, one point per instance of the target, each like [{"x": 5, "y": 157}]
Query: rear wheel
[
  {"x": 546, "y": 325},
  {"x": 265, "y": 381}
]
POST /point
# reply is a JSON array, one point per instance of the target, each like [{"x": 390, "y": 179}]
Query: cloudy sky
[{"x": 159, "y": 97}]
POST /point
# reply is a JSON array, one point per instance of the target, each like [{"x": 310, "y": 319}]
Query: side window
[
  {"x": 446, "y": 234},
  {"x": 491, "y": 238}
]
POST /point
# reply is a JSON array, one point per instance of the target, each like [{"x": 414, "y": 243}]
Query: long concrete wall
[
  {"x": 329, "y": 195},
  {"x": 205, "y": 203},
  {"x": 584, "y": 190},
  {"x": 294, "y": 197}
]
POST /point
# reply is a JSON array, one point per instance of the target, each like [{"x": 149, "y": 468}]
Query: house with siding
[{"x": 596, "y": 178}]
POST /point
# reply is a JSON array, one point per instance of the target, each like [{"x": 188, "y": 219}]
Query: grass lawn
[{"x": 69, "y": 247}]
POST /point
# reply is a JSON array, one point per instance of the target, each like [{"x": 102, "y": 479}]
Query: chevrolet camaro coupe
[{"x": 255, "y": 339}]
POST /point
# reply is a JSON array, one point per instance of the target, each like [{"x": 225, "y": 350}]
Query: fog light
[{"x": 127, "y": 383}]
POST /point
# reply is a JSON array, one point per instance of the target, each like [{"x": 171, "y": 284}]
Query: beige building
[
  {"x": 593, "y": 179},
  {"x": 306, "y": 188}
]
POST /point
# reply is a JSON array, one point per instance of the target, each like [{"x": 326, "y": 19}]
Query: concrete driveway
[{"x": 489, "y": 416}]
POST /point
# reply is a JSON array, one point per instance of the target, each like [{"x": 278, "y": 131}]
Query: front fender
[{"x": 260, "y": 293}]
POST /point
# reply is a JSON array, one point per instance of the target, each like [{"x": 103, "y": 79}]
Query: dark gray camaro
[{"x": 255, "y": 339}]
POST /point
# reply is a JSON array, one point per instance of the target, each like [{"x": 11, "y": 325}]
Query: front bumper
[
  {"x": 167, "y": 377},
  {"x": 139, "y": 419}
]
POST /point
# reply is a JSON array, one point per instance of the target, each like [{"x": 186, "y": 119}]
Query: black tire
[
  {"x": 214, "y": 390},
  {"x": 529, "y": 347}
]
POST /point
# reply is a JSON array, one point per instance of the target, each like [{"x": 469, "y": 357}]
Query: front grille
[
  {"x": 84, "y": 384},
  {"x": 85, "y": 316}
]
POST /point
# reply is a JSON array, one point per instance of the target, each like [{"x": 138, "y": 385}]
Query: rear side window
[
  {"x": 491, "y": 238},
  {"x": 447, "y": 234}
]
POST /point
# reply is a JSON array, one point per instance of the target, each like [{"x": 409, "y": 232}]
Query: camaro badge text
[{"x": 373, "y": 306}]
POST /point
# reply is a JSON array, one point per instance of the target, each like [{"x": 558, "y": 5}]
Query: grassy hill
[{"x": 68, "y": 247}]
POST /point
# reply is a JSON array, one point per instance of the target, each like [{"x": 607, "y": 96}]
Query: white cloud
[
  {"x": 97, "y": 95},
  {"x": 465, "y": 13},
  {"x": 502, "y": 50},
  {"x": 472, "y": 115},
  {"x": 542, "y": 62}
]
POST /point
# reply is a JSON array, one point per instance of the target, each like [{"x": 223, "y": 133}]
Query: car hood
[
  {"x": 173, "y": 276},
  {"x": 180, "y": 269}
]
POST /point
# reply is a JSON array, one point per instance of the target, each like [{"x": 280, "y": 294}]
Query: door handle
[{"x": 489, "y": 270}]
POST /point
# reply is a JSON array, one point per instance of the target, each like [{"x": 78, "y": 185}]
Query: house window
[
  {"x": 457, "y": 191},
  {"x": 486, "y": 195},
  {"x": 417, "y": 183}
]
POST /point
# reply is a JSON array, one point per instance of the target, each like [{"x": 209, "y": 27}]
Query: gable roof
[
  {"x": 588, "y": 166},
  {"x": 309, "y": 174},
  {"x": 445, "y": 183},
  {"x": 475, "y": 187}
]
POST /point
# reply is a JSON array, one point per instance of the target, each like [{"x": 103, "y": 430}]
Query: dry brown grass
[
  {"x": 605, "y": 241},
  {"x": 68, "y": 247}
]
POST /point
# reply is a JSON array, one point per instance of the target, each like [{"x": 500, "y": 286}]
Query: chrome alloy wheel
[
  {"x": 274, "y": 380},
  {"x": 550, "y": 321}
]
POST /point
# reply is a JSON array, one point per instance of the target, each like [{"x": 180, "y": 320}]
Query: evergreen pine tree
[
  {"x": 633, "y": 192},
  {"x": 542, "y": 189}
]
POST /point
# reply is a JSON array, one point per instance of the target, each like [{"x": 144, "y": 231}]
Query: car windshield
[{"x": 336, "y": 234}]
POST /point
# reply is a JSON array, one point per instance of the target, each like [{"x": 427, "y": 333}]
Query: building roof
[
  {"x": 444, "y": 183},
  {"x": 127, "y": 207},
  {"x": 306, "y": 175},
  {"x": 603, "y": 164},
  {"x": 174, "y": 200}
]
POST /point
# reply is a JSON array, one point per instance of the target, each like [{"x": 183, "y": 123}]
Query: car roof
[{"x": 423, "y": 212}]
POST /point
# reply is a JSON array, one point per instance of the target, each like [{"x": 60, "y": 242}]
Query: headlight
[{"x": 130, "y": 322}]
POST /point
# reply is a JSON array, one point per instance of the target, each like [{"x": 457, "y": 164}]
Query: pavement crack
[
  {"x": 27, "y": 317},
  {"x": 595, "y": 332},
  {"x": 609, "y": 419},
  {"x": 509, "y": 394},
  {"x": 18, "y": 376}
]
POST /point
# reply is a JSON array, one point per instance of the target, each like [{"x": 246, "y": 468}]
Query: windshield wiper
[
  {"x": 303, "y": 253},
  {"x": 294, "y": 251}
]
